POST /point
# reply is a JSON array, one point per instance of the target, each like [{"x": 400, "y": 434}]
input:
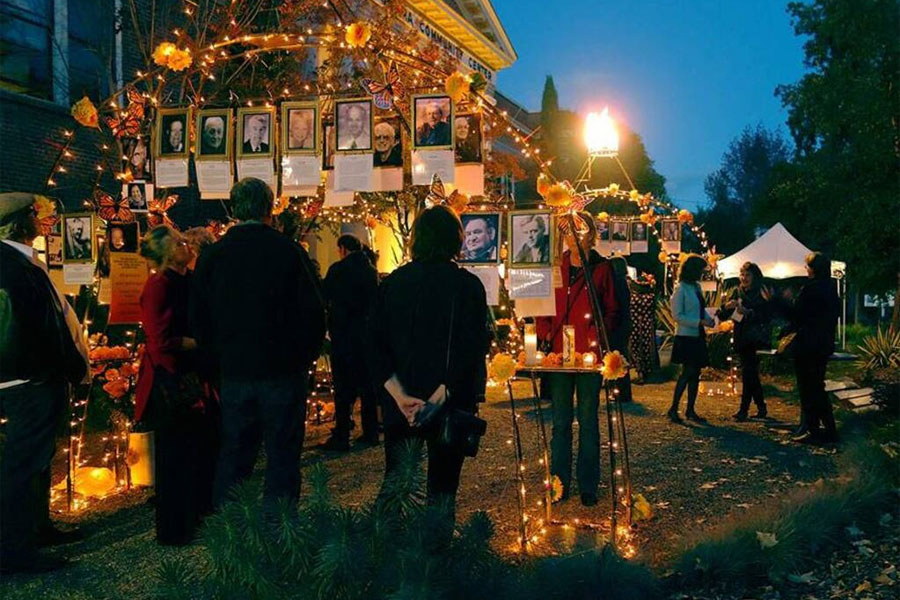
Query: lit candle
[
  {"x": 530, "y": 344},
  {"x": 589, "y": 359}
]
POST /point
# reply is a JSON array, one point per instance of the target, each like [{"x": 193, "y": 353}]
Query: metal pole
[
  {"x": 545, "y": 452},
  {"x": 520, "y": 478}
]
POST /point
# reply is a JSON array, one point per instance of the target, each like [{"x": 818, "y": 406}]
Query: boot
[{"x": 691, "y": 414}]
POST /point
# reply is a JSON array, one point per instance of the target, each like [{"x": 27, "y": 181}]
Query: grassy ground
[{"x": 694, "y": 476}]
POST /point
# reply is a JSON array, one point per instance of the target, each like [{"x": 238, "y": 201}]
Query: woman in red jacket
[
  {"x": 573, "y": 307},
  {"x": 169, "y": 397}
]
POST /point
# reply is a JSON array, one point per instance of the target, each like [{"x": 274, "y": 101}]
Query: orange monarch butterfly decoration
[
  {"x": 436, "y": 195},
  {"x": 112, "y": 209},
  {"x": 384, "y": 93},
  {"x": 157, "y": 213},
  {"x": 129, "y": 121}
]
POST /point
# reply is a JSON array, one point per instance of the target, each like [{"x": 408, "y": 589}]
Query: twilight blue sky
[{"x": 686, "y": 75}]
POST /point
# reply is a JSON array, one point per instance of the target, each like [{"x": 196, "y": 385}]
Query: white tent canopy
[{"x": 778, "y": 254}]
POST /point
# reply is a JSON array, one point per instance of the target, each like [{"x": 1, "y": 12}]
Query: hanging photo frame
[
  {"x": 481, "y": 238},
  {"x": 531, "y": 239},
  {"x": 432, "y": 120},
  {"x": 215, "y": 131},
  {"x": 354, "y": 122},
  {"x": 255, "y": 132},
  {"x": 300, "y": 127},
  {"x": 171, "y": 136}
]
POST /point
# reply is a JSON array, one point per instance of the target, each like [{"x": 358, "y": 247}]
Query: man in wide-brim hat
[{"x": 42, "y": 352}]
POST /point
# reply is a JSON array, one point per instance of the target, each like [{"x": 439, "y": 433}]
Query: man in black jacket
[
  {"x": 41, "y": 352},
  {"x": 350, "y": 287},
  {"x": 257, "y": 312}
]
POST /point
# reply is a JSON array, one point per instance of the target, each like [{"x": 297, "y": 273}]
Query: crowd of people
[{"x": 233, "y": 328}]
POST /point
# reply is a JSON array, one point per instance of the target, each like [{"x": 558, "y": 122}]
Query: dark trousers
[
  {"x": 270, "y": 411},
  {"x": 814, "y": 402},
  {"x": 752, "y": 389},
  {"x": 444, "y": 464},
  {"x": 32, "y": 412},
  {"x": 690, "y": 380},
  {"x": 351, "y": 380},
  {"x": 563, "y": 386}
]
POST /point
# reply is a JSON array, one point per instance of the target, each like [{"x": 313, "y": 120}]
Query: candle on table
[
  {"x": 530, "y": 344},
  {"x": 589, "y": 359}
]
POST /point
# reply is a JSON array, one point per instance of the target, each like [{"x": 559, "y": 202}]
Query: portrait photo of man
[
  {"x": 214, "y": 134},
  {"x": 671, "y": 230},
  {"x": 123, "y": 237},
  {"x": 638, "y": 232},
  {"x": 137, "y": 196},
  {"x": 256, "y": 133},
  {"x": 481, "y": 234},
  {"x": 620, "y": 231},
  {"x": 530, "y": 238},
  {"x": 137, "y": 153},
  {"x": 602, "y": 230},
  {"x": 388, "y": 144},
  {"x": 432, "y": 118},
  {"x": 354, "y": 120},
  {"x": 173, "y": 132},
  {"x": 78, "y": 245},
  {"x": 468, "y": 138},
  {"x": 301, "y": 128}
]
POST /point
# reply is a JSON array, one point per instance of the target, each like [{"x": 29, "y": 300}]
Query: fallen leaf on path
[
  {"x": 766, "y": 539},
  {"x": 865, "y": 586}
]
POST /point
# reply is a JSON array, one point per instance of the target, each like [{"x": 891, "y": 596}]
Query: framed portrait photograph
[
  {"x": 638, "y": 231},
  {"x": 602, "y": 230},
  {"x": 388, "y": 143},
  {"x": 481, "y": 238},
  {"x": 54, "y": 250},
  {"x": 467, "y": 134},
  {"x": 137, "y": 156},
  {"x": 671, "y": 230},
  {"x": 78, "y": 238},
  {"x": 329, "y": 143},
  {"x": 619, "y": 231},
  {"x": 531, "y": 238},
  {"x": 137, "y": 194},
  {"x": 300, "y": 128},
  {"x": 353, "y": 124},
  {"x": 255, "y": 139},
  {"x": 433, "y": 118},
  {"x": 123, "y": 237},
  {"x": 172, "y": 132},
  {"x": 214, "y": 129}
]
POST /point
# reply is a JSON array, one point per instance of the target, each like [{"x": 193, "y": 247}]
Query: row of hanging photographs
[
  {"x": 532, "y": 237},
  {"x": 303, "y": 130}
]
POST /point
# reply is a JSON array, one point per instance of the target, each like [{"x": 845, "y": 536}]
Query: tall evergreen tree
[{"x": 549, "y": 102}]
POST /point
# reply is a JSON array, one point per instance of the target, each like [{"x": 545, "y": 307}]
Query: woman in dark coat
[
  {"x": 751, "y": 315},
  {"x": 428, "y": 340},
  {"x": 814, "y": 318},
  {"x": 169, "y": 397}
]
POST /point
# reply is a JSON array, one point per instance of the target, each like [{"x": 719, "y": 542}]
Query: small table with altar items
[{"x": 620, "y": 473}]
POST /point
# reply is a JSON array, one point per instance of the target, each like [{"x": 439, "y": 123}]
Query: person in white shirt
[
  {"x": 42, "y": 351},
  {"x": 354, "y": 126}
]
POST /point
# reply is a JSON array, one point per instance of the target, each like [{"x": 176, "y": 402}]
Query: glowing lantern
[{"x": 600, "y": 135}]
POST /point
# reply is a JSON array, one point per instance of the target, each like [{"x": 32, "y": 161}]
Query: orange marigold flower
[
  {"x": 116, "y": 389},
  {"x": 85, "y": 113},
  {"x": 559, "y": 195},
  {"x": 503, "y": 368},
  {"x": 111, "y": 374},
  {"x": 371, "y": 222},
  {"x": 358, "y": 34},
  {"x": 603, "y": 217},
  {"x": 457, "y": 86},
  {"x": 613, "y": 189},
  {"x": 180, "y": 60},
  {"x": 726, "y": 326},
  {"x": 685, "y": 217},
  {"x": 649, "y": 218},
  {"x": 44, "y": 206},
  {"x": 543, "y": 184},
  {"x": 163, "y": 52},
  {"x": 663, "y": 257},
  {"x": 613, "y": 365},
  {"x": 633, "y": 195}
]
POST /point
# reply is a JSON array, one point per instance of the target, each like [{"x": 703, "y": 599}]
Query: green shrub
[{"x": 881, "y": 350}]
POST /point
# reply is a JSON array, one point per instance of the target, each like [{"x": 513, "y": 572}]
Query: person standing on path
[{"x": 257, "y": 311}]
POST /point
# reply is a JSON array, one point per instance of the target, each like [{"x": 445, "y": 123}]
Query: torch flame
[{"x": 600, "y": 134}]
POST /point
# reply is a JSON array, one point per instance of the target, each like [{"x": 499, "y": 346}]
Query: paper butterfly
[
  {"x": 574, "y": 208},
  {"x": 128, "y": 123},
  {"x": 157, "y": 211},
  {"x": 384, "y": 93},
  {"x": 48, "y": 224},
  {"x": 112, "y": 209},
  {"x": 437, "y": 195}
]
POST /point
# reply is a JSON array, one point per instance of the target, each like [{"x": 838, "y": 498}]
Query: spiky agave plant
[{"x": 881, "y": 350}]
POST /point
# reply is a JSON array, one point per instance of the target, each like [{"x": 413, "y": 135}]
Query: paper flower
[
  {"x": 613, "y": 189},
  {"x": 613, "y": 365},
  {"x": 641, "y": 509},
  {"x": 556, "y": 489},
  {"x": 112, "y": 374},
  {"x": 543, "y": 184},
  {"x": 726, "y": 326},
  {"x": 85, "y": 113},
  {"x": 551, "y": 359},
  {"x": 358, "y": 34},
  {"x": 457, "y": 86},
  {"x": 633, "y": 195},
  {"x": 603, "y": 217},
  {"x": 44, "y": 206},
  {"x": 127, "y": 370},
  {"x": 163, "y": 52},
  {"x": 649, "y": 218},
  {"x": 116, "y": 389},
  {"x": 503, "y": 368},
  {"x": 371, "y": 222},
  {"x": 685, "y": 217},
  {"x": 645, "y": 199},
  {"x": 663, "y": 257},
  {"x": 559, "y": 195},
  {"x": 180, "y": 60}
]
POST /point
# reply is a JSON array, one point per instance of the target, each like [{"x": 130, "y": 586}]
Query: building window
[
  {"x": 90, "y": 49},
  {"x": 26, "y": 34}
]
